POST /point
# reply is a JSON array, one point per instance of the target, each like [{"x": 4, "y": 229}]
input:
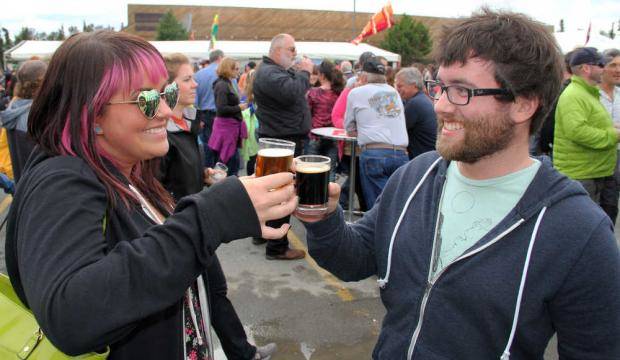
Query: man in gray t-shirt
[{"x": 375, "y": 113}]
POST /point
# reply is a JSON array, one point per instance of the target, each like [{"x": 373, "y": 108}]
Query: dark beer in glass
[
  {"x": 274, "y": 156},
  {"x": 312, "y": 181}
]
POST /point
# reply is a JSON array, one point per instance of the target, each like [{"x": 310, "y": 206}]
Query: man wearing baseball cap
[
  {"x": 585, "y": 139},
  {"x": 360, "y": 64},
  {"x": 376, "y": 114}
]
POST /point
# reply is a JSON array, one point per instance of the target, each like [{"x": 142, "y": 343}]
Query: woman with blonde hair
[
  {"x": 182, "y": 174},
  {"x": 229, "y": 130},
  {"x": 249, "y": 148}
]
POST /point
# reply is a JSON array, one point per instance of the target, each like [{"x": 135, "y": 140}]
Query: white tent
[
  {"x": 27, "y": 49},
  {"x": 570, "y": 40},
  {"x": 241, "y": 50}
]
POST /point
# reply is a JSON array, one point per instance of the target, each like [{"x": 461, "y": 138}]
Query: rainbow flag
[{"x": 214, "y": 29}]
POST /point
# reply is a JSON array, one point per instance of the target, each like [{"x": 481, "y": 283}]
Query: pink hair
[
  {"x": 120, "y": 77},
  {"x": 85, "y": 72}
]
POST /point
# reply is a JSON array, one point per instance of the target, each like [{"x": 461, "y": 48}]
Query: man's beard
[
  {"x": 483, "y": 136},
  {"x": 286, "y": 61}
]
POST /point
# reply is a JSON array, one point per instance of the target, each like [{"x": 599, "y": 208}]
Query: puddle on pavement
[
  {"x": 289, "y": 350},
  {"x": 306, "y": 350}
]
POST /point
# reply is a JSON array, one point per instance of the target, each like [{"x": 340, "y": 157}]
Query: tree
[
  {"x": 561, "y": 25},
  {"x": 73, "y": 30},
  {"x": 57, "y": 35},
  {"x": 25, "y": 33},
  {"x": 7, "y": 43},
  {"x": 170, "y": 28},
  {"x": 409, "y": 38},
  {"x": 87, "y": 27}
]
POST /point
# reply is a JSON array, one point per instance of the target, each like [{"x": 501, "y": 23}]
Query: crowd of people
[{"x": 482, "y": 248}]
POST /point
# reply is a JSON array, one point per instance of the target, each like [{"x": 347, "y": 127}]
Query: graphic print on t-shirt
[
  {"x": 385, "y": 104},
  {"x": 470, "y": 208}
]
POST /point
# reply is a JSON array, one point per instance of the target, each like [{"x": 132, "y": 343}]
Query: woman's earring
[{"x": 98, "y": 130}]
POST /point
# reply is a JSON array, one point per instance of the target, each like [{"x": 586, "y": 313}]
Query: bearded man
[
  {"x": 483, "y": 252},
  {"x": 281, "y": 107}
]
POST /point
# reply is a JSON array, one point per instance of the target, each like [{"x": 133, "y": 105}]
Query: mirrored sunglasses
[{"x": 148, "y": 100}]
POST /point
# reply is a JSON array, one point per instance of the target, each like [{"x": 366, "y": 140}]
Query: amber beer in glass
[
  {"x": 274, "y": 156},
  {"x": 312, "y": 181}
]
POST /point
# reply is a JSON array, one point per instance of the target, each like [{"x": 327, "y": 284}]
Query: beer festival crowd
[{"x": 488, "y": 184}]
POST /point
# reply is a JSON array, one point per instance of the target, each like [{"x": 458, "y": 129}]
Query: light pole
[{"x": 354, "y": 31}]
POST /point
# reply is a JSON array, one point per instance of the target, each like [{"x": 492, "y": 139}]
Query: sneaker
[
  {"x": 265, "y": 352},
  {"x": 258, "y": 241},
  {"x": 289, "y": 254}
]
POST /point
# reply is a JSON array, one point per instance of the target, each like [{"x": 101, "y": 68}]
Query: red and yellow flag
[{"x": 380, "y": 21}]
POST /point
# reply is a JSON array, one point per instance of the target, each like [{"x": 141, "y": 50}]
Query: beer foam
[
  {"x": 275, "y": 152},
  {"x": 311, "y": 168}
]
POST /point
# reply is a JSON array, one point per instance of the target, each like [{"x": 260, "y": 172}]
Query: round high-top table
[{"x": 340, "y": 134}]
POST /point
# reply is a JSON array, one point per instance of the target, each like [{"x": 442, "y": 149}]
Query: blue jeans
[{"x": 376, "y": 167}]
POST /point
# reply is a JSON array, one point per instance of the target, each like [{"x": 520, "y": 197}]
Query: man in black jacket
[{"x": 283, "y": 113}]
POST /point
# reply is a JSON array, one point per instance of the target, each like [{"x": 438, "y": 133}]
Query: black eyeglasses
[{"x": 461, "y": 95}]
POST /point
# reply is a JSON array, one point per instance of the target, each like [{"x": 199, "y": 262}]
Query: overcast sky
[{"x": 46, "y": 15}]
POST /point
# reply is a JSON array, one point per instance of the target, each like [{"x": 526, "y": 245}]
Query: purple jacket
[{"x": 226, "y": 136}]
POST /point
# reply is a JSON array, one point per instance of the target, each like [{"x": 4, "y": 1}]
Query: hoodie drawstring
[
  {"x": 383, "y": 282},
  {"x": 526, "y": 265}
]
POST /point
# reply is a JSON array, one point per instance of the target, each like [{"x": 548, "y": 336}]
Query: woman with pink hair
[{"x": 96, "y": 247}]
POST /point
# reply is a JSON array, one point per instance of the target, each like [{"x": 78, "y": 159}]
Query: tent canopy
[{"x": 241, "y": 50}]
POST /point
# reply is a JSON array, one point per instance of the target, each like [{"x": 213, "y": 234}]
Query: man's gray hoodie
[{"x": 552, "y": 265}]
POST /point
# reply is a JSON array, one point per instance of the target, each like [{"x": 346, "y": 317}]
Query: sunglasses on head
[{"x": 148, "y": 100}]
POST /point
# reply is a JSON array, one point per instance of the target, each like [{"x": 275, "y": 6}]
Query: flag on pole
[
  {"x": 380, "y": 21},
  {"x": 214, "y": 29},
  {"x": 588, "y": 33}
]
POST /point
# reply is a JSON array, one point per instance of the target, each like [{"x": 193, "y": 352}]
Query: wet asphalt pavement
[{"x": 305, "y": 310}]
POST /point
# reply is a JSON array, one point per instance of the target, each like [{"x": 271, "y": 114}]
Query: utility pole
[{"x": 354, "y": 30}]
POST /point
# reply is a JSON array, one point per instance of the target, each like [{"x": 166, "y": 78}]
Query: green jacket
[{"x": 585, "y": 140}]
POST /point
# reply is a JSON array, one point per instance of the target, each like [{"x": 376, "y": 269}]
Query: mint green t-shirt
[{"x": 471, "y": 208}]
